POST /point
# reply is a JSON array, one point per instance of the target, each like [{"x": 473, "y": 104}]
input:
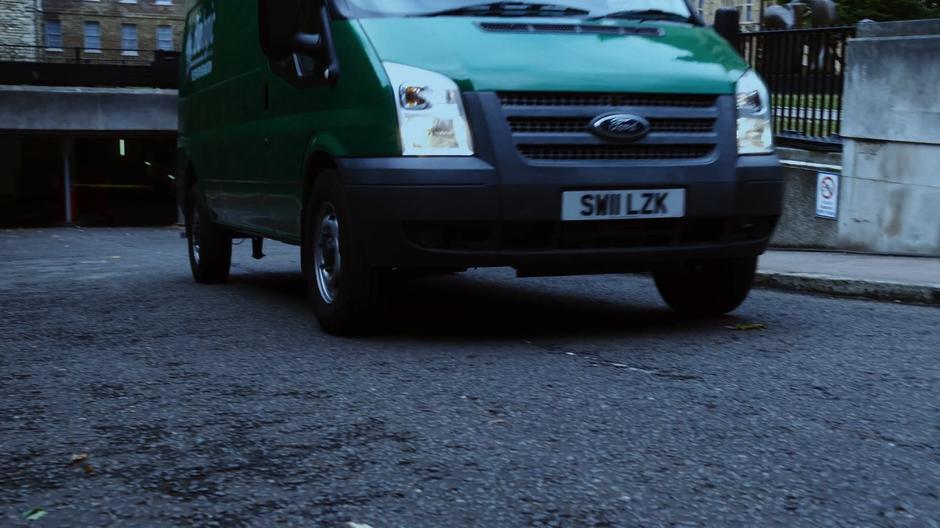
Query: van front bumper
[{"x": 458, "y": 212}]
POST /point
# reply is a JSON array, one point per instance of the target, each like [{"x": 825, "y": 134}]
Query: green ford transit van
[{"x": 385, "y": 137}]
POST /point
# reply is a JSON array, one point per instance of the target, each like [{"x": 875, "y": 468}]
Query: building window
[
  {"x": 163, "y": 2},
  {"x": 128, "y": 39},
  {"x": 53, "y": 34},
  {"x": 701, "y": 8},
  {"x": 749, "y": 11},
  {"x": 93, "y": 37},
  {"x": 165, "y": 38}
]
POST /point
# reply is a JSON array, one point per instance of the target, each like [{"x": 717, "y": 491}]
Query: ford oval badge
[{"x": 621, "y": 127}]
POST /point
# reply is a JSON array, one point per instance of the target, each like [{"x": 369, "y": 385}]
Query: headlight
[
  {"x": 755, "y": 131},
  {"x": 430, "y": 113}
]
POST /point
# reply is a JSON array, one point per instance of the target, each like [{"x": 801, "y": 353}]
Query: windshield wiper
[
  {"x": 646, "y": 14},
  {"x": 510, "y": 9}
]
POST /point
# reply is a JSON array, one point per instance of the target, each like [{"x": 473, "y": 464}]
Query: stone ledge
[
  {"x": 845, "y": 287},
  {"x": 905, "y": 28}
]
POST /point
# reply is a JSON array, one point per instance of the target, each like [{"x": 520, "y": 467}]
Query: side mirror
[
  {"x": 728, "y": 25},
  {"x": 280, "y": 30}
]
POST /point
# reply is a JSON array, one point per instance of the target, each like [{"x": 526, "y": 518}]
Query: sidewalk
[{"x": 908, "y": 279}]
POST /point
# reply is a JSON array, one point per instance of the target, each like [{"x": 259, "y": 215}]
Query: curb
[{"x": 843, "y": 287}]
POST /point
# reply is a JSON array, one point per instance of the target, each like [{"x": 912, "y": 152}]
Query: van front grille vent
[
  {"x": 602, "y": 99},
  {"x": 614, "y": 152},
  {"x": 514, "y": 27}
]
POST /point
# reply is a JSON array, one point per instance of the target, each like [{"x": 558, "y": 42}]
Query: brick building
[
  {"x": 109, "y": 30},
  {"x": 18, "y": 24},
  {"x": 750, "y": 11}
]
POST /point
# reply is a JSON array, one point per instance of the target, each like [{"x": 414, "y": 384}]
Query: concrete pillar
[{"x": 68, "y": 148}]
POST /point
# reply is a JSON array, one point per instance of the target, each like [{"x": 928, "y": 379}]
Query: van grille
[
  {"x": 574, "y": 125},
  {"x": 549, "y": 126},
  {"x": 601, "y": 99},
  {"x": 615, "y": 152}
]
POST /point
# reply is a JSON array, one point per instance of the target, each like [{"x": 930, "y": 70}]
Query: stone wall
[
  {"x": 890, "y": 165},
  {"x": 891, "y": 200},
  {"x": 799, "y": 226},
  {"x": 17, "y": 28}
]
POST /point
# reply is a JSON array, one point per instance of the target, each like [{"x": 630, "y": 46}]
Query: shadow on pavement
[{"x": 467, "y": 306}]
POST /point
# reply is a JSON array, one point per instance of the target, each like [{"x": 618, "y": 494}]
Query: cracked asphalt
[{"x": 492, "y": 402}]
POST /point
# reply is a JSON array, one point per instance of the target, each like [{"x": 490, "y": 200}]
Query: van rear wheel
[
  {"x": 707, "y": 288},
  {"x": 347, "y": 293},
  {"x": 210, "y": 246}
]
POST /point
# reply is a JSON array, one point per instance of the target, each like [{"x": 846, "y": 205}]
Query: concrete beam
[{"x": 32, "y": 109}]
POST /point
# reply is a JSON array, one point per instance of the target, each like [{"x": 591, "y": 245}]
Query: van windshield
[{"x": 595, "y": 8}]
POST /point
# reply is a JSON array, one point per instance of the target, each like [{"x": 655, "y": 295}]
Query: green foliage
[{"x": 853, "y": 11}]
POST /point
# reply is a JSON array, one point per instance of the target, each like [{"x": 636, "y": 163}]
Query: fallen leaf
[
  {"x": 34, "y": 515},
  {"x": 78, "y": 458},
  {"x": 88, "y": 469},
  {"x": 748, "y": 326}
]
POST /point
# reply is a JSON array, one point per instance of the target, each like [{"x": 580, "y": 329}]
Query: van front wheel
[
  {"x": 707, "y": 288},
  {"x": 210, "y": 246},
  {"x": 345, "y": 289}
]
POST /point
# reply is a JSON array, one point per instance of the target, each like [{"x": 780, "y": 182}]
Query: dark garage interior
[{"x": 113, "y": 181}]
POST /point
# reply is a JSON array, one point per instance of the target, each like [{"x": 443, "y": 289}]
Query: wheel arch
[
  {"x": 187, "y": 177},
  {"x": 318, "y": 161}
]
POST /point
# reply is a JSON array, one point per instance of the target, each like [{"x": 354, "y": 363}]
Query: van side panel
[
  {"x": 247, "y": 131},
  {"x": 221, "y": 102},
  {"x": 353, "y": 118}
]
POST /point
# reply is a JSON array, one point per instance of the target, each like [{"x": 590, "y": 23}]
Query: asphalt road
[{"x": 496, "y": 402}]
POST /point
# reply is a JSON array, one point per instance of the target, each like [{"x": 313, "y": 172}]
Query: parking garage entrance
[{"x": 87, "y": 180}]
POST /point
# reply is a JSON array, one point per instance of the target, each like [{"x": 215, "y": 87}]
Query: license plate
[{"x": 622, "y": 205}]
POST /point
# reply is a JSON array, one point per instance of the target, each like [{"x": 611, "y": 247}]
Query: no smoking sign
[{"x": 827, "y": 195}]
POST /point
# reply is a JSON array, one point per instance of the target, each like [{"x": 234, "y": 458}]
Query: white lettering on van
[{"x": 199, "y": 43}]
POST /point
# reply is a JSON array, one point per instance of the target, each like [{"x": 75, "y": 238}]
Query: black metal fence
[
  {"x": 805, "y": 70},
  {"x": 88, "y": 67}
]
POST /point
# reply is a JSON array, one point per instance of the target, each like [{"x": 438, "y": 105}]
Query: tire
[
  {"x": 210, "y": 245},
  {"x": 707, "y": 288},
  {"x": 347, "y": 292}
]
